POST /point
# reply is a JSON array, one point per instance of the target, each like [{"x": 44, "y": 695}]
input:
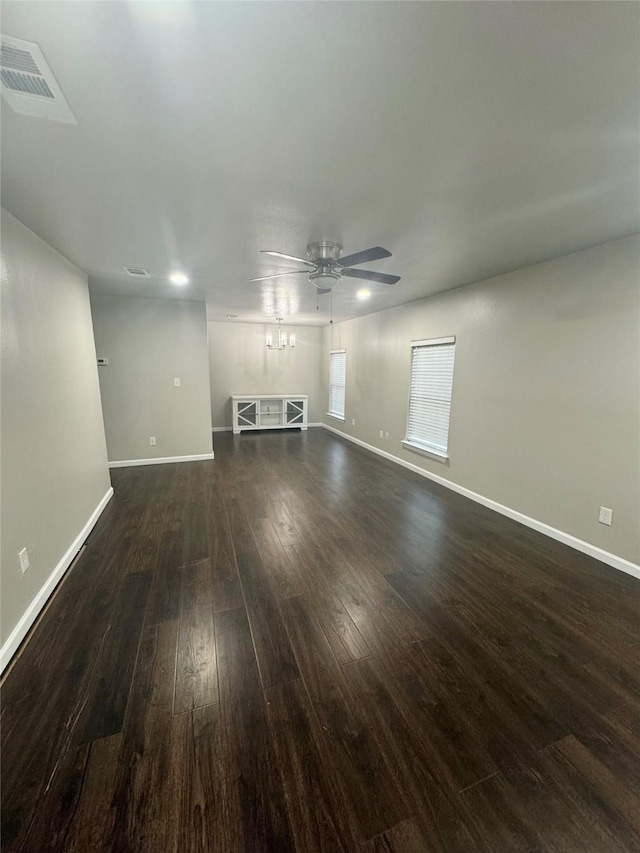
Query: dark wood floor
[{"x": 300, "y": 646}]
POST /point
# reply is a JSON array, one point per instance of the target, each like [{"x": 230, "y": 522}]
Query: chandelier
[{"x": 283, "y": 341}]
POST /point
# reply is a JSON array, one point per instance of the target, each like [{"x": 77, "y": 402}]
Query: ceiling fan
[{"x": 325, "y": 267}]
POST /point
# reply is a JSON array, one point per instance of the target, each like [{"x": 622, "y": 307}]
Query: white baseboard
[
  {"x": 160, "y": 460},
  {"x": 566, "y": 538},
  {"x": 31, "y": 613},
  {"x": 230, "y": 429}
]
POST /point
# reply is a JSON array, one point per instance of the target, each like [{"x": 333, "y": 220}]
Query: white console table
[{"x": 269, "y": 411}]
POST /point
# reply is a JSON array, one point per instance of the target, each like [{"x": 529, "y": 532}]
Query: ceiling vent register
[
  {"x": 137, "y": 272},
  {"x": 28, "y": 84}
]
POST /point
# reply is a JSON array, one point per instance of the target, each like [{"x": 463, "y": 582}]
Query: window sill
[
  {"x": 438, "y": 455},
  {"x": 335, "y": 417}
]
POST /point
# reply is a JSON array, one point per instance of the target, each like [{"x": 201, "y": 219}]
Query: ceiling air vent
[
  {"x": 137, "y": 272},
  {"x": 28, "y": 84}
]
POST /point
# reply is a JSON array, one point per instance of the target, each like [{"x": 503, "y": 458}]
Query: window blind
[
  {"x": 337, "y": 382},
  {"x": 430, "y": 395}
]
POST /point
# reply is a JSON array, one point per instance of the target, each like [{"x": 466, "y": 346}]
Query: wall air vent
[
  {"x": 28, "y": 84},
  {"x": 137, "y": 272}
]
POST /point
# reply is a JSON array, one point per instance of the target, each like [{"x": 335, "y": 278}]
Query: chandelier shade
[{"x": 282, "y": 340}]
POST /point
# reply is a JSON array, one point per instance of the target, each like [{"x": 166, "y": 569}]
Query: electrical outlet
[
  {"x": 606, "y": 515},
  {"x": 176, "y": 382},
  {"x": 381, "y": 433},
  {"x": 152, "y": 440},
  {"x": 24, "y": 560},
  {"x": 353, "y": 421},
  {"x": 386, "y": 436}
]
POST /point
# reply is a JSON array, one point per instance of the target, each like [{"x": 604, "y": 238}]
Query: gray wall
[
  {"x": 242, "y": 364},
  {"x": 53, "y": 457},
  {"x": 545, "y": 409},
  {"x": 149, "y": 342}
]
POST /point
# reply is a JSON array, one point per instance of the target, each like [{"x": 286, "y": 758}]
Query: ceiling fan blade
[
  {"x": 373, "y": 254},
  {"x": 380, "y": 277},
  {"x": 287, "y": 257},
  {"x": 279, "y": 275}
]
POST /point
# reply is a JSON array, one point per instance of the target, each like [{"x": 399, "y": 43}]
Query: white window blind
[
  {"x": 430, "y": 395},
  {"x": 337, "y": 382}
]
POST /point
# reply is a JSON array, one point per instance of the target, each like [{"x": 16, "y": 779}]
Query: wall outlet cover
[
  {"x": 24, "y": 560},
  {"x": 176, "y": 382},
  {"x": 605, "y": 516}
]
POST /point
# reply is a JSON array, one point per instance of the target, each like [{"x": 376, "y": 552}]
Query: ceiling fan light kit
[
  {"x": 325, "y": 266},
  {"x": 283, "y": 341}
]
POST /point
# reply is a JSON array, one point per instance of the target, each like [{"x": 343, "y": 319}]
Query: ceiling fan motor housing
[
  {"x": 325, "y": 254},
  {"x": 324, "y": 251}
]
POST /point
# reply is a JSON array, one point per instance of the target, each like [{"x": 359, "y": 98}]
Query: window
[
  {"x": 430, "y": 395},
  {"x": 337, "y": 382}
]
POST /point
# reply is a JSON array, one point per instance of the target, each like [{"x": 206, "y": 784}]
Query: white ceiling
[{"x": 469, "y": 139}]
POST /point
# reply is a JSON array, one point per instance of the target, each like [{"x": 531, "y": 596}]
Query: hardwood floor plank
[
  {"x": 196, "y": 666},
  {"x": 282, "y": 525},
  {"x": 241, "y": 533},
  {"x": 51, "y": 821},
  {"x": 355, "y": 751},
  {"x": 346, "y": 641},
  {"x": 92, "y": 817},
  {"x": 455, "y": 664},
  {"x": 188, "y": 803},
  {"x": 279, "y": 566},
  {"x": 219, "y": 536},
  {"x": 361, "y": 660},
  {"x": 496, "y": 820},
  {"x": 273, "y": 649},
  {"x": 603, "y": 781},
  {"x": 374, "y": 620},
  {"x": 53, "y": 673},
  {"x": 248, "y": 752},
  {"x": 196, "y": 540},
  {"x": 318, "y": 810},
  {"x": 545, "y": 801},
  {"x": 617, "y": 744},
  {"x": 227, "y": 590},
  {"x": 414, "y": 750},
  {"x": 404, "y": 838},
  {"x": 386, "y": 600},
  {"x": 141, "y": 806},
  {"x": 206, "y": 807},
  {"x": 114, "y": 668}
]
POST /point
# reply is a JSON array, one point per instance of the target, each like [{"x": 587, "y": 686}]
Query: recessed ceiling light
[
  {"x": 363, "y": 293},
  {"x": 178, "y": 278}
]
